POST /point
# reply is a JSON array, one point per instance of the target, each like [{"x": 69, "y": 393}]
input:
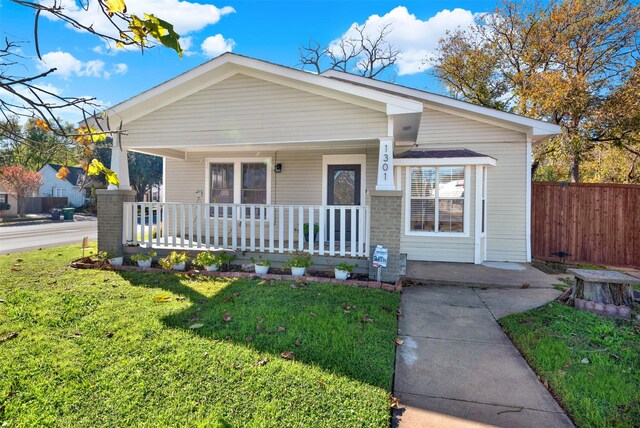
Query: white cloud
[
  {"x": 185, "y": 16},
  {"x": 120, "y": 68},
  {"x": 216, "y": 45},
  {"x": 416, "y": 39},
  {"x": 67, "y": 65}
]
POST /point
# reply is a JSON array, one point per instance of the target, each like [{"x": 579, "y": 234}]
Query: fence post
[{"x": 111, "y": 219}]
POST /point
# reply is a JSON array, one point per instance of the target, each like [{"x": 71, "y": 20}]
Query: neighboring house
[
  {"x": 429, "y": 177},
  {"x": 69, "y": 187},
  {"x": 11, "y": 200}
]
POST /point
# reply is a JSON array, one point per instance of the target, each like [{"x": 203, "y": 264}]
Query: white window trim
[
  {"x": 407, "y": 207},
  {"x": 237, "y": 172},
  {"x": 360, "y": 159}
]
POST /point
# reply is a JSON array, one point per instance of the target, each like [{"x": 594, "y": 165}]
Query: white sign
[
  {"x": 380, "y": 257},
  {"x": 385, "y": 165}
]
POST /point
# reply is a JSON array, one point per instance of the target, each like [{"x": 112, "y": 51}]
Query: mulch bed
[{"x": 276, "y": 274}]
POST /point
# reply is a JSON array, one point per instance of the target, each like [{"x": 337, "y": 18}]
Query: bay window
[{"x": 436, "y": 199}]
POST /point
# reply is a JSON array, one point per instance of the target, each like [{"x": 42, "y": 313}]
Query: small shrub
[
  {"x": 298, "y": 260},
  {"x": 260, "y": 261},
  {"x": 143, "y": 257},
  {"x": 173, "y": 258},
  {"x": 206, "y": 258},
  {"x": 346, "y": 267}
]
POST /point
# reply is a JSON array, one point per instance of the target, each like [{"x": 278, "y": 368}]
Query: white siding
[
  {"x": 300, "y": 181},
  {"x": 506, "y": 185},
  {"x": 50, "y": 182},
  {"x": 243, "y": 109}
]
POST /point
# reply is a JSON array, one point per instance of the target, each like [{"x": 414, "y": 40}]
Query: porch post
[
  {"x": 111, "y": 203},
  {"x": 385, "y": 229},
  {"x": 385, "y": 165},
  {"x": 119, "y": 164}
]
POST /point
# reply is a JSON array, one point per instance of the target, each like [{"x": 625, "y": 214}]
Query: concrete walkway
[
  {"x": 505, "y": 275},
  {"x": 457, "y": 368}
]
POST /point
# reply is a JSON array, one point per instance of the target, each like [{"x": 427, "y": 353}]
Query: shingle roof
[
  {"x": 431, "y": 154},
  {"x": 75, "y": 173}
]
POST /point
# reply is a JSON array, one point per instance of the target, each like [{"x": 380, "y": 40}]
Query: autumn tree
[
  {"x": 560, "y": 61},
  {"x": 21, "y": 95},
  {"x": 361, "y": 50},
  {"x": 21, "y": 183}
]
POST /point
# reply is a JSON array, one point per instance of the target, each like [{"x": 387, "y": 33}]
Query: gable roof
[
  {"x": 75, "y": 173},
  {"x": 390, "y": 98}
]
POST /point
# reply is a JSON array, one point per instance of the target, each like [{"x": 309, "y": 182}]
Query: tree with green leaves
[{"x": 562, "y": 61}]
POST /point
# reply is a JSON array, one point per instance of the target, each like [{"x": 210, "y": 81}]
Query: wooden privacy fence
[
  {"x": 42, "y": 204},
  {"x": 586, "y": 223}
]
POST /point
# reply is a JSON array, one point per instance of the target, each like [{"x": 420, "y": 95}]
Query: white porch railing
[{"x": 343, "y": 230}]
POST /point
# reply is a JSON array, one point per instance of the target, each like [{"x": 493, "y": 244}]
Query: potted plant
[
  {"x": 175, "y": 261},
  {"x": 213, "y": 262},
  {"x": 344, "y": 269},
  {"x": 298, "y": 263},
  {"x": 261, "y": 266},
  {"x": 109, "y": 257},
  {"x": 144, "y": 260},
  {"x": 305, "y": 230},
  {"x": 4, "y": 207}
]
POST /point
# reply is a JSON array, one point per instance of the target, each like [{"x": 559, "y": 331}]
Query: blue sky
[{"x": 269, "y": 30}]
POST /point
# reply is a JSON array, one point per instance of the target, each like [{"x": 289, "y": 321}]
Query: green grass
[
  {"x": 98, "y": 348},
  {"x": 556, "y": 338}
]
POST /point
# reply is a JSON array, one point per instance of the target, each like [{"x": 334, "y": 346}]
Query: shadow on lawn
[{"x": 344, "y": 330}]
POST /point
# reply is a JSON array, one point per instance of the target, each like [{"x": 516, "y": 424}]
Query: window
[
  {"x": 239, "y": 182},
  {"x": 59, "y": 193},
  {"x": 4, "y": 198},
  {"x": 436, "y": 199}
]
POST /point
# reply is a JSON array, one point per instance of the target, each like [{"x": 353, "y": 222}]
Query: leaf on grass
[
  {"x": 181, "y": 298},
  {"x": 399, "y": 312},
  {"x": 359, "y": 325},
  {"x": 196, "y": 326},
  {"x": 259, "y": 328},
  {"x": 19, "y": 260},
  {"x": 109, "y": 335},
  {"x": 74, "y": 336},
  {"x": 398, "y": 341},
  {"x": 281, "y": 329},
  {"x": 298, "y": 343},
  {"x": 162, "y": 298},
  {"x": 11, "y": 335},
  {"x": 230, "y": 298},
  {"x": 367, "y": 319},
  {"x": 312, "y": 314},
  {"x": 584, "y": 361},
  {"x": 249, "y": 339},
  {"x": 288, "y": 355},
  {"x": 226, "y": 317},
  {"x": 394, "y": 402},
  {"x": 262, "y": 362},
  {"x": 321, "y": 383}
]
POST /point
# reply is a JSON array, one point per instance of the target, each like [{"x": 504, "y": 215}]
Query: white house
[
  {"x": 10, "y": 199},
  {"x": 253, "y": 151},
  {"x": 71, "y": 187}
]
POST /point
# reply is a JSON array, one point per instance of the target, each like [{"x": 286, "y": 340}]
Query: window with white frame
[
  {"x": 238, "y": 182},
  {"x": 436, "y": 199},
  {"x": 59, "y": 193}
]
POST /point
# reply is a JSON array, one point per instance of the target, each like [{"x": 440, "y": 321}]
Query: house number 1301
[{"x": 385, "y": 166}]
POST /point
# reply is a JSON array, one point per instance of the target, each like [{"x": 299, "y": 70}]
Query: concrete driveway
[{"x": 457, "y": 368}]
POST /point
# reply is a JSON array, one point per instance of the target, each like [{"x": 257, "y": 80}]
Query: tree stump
[{"x": 603, "y": 286}]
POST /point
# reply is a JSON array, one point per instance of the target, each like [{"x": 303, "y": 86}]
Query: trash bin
[
  {"x": 55, "y": 214},
  {"x": 68, "y": 213}
]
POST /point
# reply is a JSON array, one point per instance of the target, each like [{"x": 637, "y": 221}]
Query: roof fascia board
[
  {"x": 213, "y": 144},
  {"x": 537, "y": 125}
]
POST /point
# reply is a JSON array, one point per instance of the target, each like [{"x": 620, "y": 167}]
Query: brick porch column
[
  {"x": 385, "y": 228},
  {"x": 110, "y": 222}
]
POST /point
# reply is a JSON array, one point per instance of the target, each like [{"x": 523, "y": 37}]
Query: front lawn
[
  {"x": 99, "y": 348},
  {"x": 591, "y": 363}
]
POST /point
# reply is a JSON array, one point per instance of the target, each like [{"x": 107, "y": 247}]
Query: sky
[{"x": 268, "y": 30}]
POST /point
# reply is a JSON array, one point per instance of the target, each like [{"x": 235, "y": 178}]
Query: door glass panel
[{"x": 344, "y": 187}]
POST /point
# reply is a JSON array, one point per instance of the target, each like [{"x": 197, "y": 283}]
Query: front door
[{"x": 343, "y": 188}]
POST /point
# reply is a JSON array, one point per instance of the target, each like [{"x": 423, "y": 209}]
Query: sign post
[{"x": 380, "y": 255}]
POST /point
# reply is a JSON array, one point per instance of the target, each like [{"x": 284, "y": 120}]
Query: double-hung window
[
  {"x": 4, "y": 198},
  {"x": 436, "y": 199},
  {"x": 239, "y": 182}
]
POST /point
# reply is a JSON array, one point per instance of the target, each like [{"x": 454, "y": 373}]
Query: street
[{"x": 14, "y": 239}]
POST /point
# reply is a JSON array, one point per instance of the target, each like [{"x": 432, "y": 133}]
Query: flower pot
[
  {"x": 116, "y": 261},
  {"x": 212, "y": 268},
  {"x": 262, "y": 270},
  {"x": 298, "y": 271},
  {"x": 144, "y": 263},
  {"x": 179, "y": 266},
  {"x": 341, "y": 274},
  {"x": 306, "y": 237}
]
